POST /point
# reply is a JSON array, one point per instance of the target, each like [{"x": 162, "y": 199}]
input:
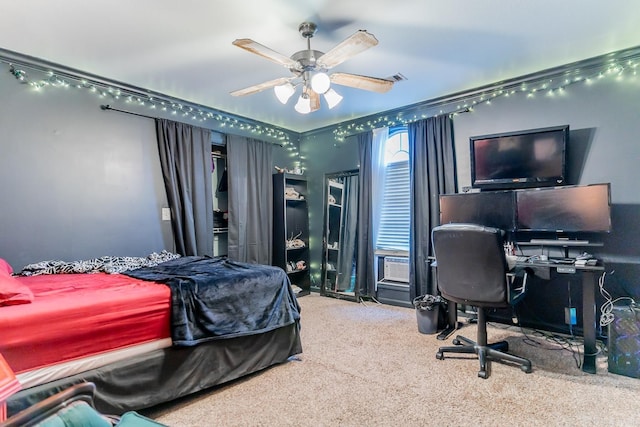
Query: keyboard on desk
[
  {"x": 536, "y": 258},
  {"x": 569, "y": 261}
]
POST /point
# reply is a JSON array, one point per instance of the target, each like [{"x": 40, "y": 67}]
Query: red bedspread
[{"x": 77, "y": 315}]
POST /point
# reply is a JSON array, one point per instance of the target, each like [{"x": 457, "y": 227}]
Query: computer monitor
[
  {"x": 571, "y": 209},
  {"x": 490, "y": 208}
]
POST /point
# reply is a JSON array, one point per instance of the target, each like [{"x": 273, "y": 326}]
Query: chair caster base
[{"x": 485, "y": 354}]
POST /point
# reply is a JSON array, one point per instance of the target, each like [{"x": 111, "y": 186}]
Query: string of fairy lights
[
  {"x": 549, "y": 85},
  {"x": 621, "y": 66},
  {"x": 172, "y": 107}
]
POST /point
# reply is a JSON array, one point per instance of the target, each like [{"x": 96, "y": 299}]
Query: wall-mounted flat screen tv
[
  {"x": 569, "y": 209},
  {"x": 527, "y": 158},
  {"x": 490, "y": 208}
]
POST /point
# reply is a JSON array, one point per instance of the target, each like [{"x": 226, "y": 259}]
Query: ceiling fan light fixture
[
  {"x": 332, "y": 97},
  {"x": 303, "y": 106},
  {"x": 284, "y": 92},
  {"x": 320, "y": 82},
  {"x": 310, "y": 70}
]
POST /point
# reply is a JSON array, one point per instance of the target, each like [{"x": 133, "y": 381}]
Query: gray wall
[
  {"x": 78, "y": 182},
  {"x": 604, "y": 147},
  {"x": 323, "y": 155},
  {"x": 604, "y": 125}
]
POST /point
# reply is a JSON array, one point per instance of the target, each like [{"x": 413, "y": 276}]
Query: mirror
[{"x": 340, "y": 235}]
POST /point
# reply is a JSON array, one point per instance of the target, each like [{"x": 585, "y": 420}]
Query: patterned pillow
[{"x": 105, "y": 264}]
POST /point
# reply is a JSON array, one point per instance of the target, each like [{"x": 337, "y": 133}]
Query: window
[{"x": 393, "y": 228}]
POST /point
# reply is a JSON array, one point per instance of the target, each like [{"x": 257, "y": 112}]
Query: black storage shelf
[{"x": 291, "y": 221}]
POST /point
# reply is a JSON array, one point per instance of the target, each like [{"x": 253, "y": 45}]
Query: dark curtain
[
  {"x": 185, "y": 158},
  {"x": 365, "y": 271},
  {"x": 249, "y": 168},
  {"x": 433, "y": 172},
  {"x": 348, "y": 234}
]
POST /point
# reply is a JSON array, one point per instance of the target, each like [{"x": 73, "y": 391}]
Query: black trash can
[{"x": 428, "y": 312}]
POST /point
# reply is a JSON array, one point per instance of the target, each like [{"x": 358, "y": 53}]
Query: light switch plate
[{"x": 166, "y": 214}]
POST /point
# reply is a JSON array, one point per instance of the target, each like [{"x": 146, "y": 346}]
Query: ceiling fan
[{"x": 309, "y": 70}]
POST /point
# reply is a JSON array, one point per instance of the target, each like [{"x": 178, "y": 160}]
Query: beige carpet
[{"x": 367, "y": 365}]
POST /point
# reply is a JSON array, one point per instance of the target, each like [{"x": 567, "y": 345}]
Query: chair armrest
[{"x": 82, "y": 392}]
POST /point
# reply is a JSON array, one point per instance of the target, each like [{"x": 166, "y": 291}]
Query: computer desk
[{"x": 542, "y": 269}]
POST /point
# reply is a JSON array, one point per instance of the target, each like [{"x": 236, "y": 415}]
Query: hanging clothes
[{"x": 223, "y": 184}]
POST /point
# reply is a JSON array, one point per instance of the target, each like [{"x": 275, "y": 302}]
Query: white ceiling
[{"x": 183, "y": 48}]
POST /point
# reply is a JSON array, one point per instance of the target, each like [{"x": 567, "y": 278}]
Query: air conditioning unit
[{"x": 396, "y": 269}]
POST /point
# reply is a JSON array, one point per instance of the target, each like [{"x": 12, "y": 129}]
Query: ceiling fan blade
[
  {"x": 314, "y": 98},
  {"x": 351, "y": 46},
  {"x": 373, "y": 84},
  {"x": 265, "y": 52},
  {"x": 260, "y": 87}
]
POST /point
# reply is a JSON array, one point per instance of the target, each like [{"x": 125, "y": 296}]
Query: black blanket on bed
[{"x": 214, "y": 298}]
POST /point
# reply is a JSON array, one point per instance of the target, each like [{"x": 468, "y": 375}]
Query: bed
[{"x": 144, "y": 335}]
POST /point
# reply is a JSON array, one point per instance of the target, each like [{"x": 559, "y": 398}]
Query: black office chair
[{"x": 472, "y": 270}]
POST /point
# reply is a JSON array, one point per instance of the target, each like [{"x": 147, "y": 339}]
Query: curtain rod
[
  {"x": 106, "y": 107},
  {"x": 109, "y": 107},
  {"x": 83, "y": 80}
]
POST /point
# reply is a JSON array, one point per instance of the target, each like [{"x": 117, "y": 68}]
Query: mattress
[{"x": 74, "y": 316}]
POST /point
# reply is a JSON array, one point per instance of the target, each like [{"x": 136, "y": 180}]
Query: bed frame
[
  {"x": 167, "y": 374},
  {"x": 247, "y": 320}
]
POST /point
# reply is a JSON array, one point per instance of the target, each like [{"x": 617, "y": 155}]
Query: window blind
[{"x": 393, "y": 233}]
